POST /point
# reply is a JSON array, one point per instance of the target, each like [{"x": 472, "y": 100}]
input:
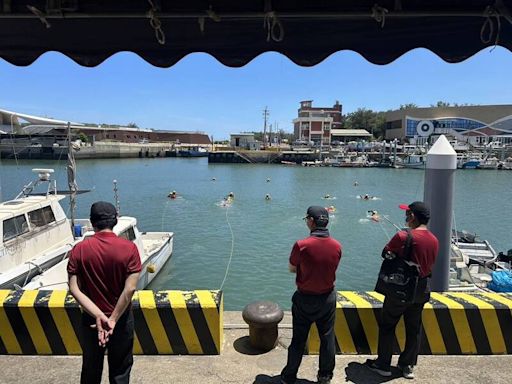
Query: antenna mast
[{"x": 266, "y": 112}]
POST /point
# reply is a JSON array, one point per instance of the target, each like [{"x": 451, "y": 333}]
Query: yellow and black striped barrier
[
  {"x": 166, "y": 322},
  {"x": 454, "y": 323}
]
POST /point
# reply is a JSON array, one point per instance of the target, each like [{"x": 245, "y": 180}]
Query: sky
[{"x": 201, "y": 94}]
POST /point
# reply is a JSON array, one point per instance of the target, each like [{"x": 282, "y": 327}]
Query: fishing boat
[
  {"x": 193, "y": 152},
  {"x": 505, "y": 164},
  {"x": 478, "y": 256},
  {"x": 155, "y": 248},
  {"x": 468, "y": 161},
  {"x": 489, "y": 163},
  {"x": 414, "y": 161},
  {"x": 36, "y": 234}
]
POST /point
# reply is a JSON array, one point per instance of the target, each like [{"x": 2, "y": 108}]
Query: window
[
  {"x": 36, "y": 218},
  {"x": 49, "y": 217},
  {"x": 14, "y": 227},
  {"x": 128, "y": 234},
  {"x": 41, "y": 217}
]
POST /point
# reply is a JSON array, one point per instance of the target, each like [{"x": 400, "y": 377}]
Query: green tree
[
  {"x": 408, "y": 106},
  {"x": 379, "y": 131},
  {"x": 132, "y": 125},
  {"x": 83, "y": 137},
  {"x": 366, "y": 119},
  {"x": 441, "y": 104}
]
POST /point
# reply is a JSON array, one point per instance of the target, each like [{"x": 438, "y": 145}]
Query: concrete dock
[{"x": 238, "y": 363}]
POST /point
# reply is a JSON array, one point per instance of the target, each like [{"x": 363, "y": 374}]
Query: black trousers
[
  {"x": 120, "y": 351},
  {"x": 306, "y": 310},
  {"x": 391, "y": 312}
]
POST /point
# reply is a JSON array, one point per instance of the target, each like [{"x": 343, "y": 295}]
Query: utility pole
[{"x": 266, "y": 112}]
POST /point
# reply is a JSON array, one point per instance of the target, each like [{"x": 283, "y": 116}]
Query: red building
[{"x": 317, "y": 124}]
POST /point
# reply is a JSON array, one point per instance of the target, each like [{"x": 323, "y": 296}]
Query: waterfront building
[
  {"x": 42, "y": 129},
  {"x": 477, "y": 125},
  {"x": 323, "y": 125},
  {"x": 244, "y": 140}
]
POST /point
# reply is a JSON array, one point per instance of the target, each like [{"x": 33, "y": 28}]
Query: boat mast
[
  {"x": 116, "y": 198},
  {"x": 71, "y": 171}
]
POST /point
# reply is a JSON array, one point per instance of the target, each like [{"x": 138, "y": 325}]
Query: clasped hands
[{"x": 105, "y": 326}]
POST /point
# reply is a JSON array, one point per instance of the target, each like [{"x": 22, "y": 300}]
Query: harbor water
[{"x": 251, "y": 239}]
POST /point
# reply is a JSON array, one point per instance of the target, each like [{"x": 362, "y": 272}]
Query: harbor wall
[
  {"x": 261, "y": 157},
  {"x": 166, "y": 323},
  {"x": 98, "y": 150},
  {"x": 454, "y": 323},
  {"x": 191, "y": 323}
]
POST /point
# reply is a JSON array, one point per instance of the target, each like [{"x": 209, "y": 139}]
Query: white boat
[
  {"x": 505, "y": 164},
  {"x": 36, "y": 234},
  {"x": 418, "y": 161},
  {"x": 468, "y": 161},
  {"x": 489, "y": 163},
  {"x": 475, "y": 260},
  {"x": 155, "y": 248}
]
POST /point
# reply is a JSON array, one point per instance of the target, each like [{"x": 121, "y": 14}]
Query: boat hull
[
  {"x": 19, "y": 276},
  {"x": 152, "y": 266}
]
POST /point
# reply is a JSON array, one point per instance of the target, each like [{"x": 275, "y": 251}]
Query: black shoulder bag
[{"x": 398, "y": 277}]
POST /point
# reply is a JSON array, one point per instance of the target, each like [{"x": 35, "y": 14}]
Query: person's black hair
[
  {"x": 421, "y": 219},
  {"x": 321, "y": 223},
  {"x": 105, "y": 224}
]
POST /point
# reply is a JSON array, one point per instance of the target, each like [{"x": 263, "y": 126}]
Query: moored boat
[
  {"x": 155, "y": 248},
  {"x": 36, "y": 234},
  {"x": 193, "y": 152}
]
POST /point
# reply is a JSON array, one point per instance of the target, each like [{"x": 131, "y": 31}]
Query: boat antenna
[
  {"x": 116, "y": 198},
  {"x": 71, "y": 171}
]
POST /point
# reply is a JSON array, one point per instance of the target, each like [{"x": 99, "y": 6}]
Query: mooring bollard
[{"x": 263, "y": 318}]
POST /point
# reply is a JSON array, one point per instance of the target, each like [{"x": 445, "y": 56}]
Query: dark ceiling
[{"x": 236, "y": 31}]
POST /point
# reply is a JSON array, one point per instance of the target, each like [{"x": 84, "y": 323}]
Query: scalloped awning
[{"x": 235, "y": 32}]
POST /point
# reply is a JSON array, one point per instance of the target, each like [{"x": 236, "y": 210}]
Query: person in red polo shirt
[
  {"x": 314, "y": 260},
  {"x": 425, "y": 247},
  {"x": 103, "y": 272}
]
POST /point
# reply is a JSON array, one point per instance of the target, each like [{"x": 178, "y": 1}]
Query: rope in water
[{"x": 232, "y": 248}]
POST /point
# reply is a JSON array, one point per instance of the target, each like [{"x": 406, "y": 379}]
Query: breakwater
[{"x": 98, "y": 150}]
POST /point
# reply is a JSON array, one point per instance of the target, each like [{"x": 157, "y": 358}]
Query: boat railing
[{"x": 44, "y": 176}]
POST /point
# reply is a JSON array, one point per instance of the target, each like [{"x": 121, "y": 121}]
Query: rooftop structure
[{"x": 477, "y": 125}]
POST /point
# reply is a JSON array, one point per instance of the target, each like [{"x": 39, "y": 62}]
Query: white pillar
[{"x": 438, "y": 195}]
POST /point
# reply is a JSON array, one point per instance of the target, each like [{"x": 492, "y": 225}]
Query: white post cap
[{"x": 442, "y": 155}]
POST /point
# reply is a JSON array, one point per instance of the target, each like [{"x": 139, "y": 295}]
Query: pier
[{"x": 239, "y": 364}]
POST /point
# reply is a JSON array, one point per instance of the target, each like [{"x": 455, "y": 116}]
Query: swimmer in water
[
  {"x": 331, "y": 209},
  {"x": 374, "y": 215},
  {"x": 268, "y": 179},
  {"x": 172, "y": 195},
  {"x": 268, "y": 197},
  {"x": 327, "y": 196},
  {"x": 356, "y": 183}
]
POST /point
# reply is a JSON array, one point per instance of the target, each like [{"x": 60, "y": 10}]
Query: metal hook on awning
[
  {"x": 155, "y": 23},
  {"x": 379, "y": 14},
  {"x": 211, "y": 14},
  {"x": 493, "y": 14},
  {"x": 40, "y": 15},
  {"x": 503, "y": 10},
  {"x": 272, "y": 24}
]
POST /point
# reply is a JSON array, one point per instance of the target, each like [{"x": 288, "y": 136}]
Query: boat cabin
[{"x": 34, "y": 231}]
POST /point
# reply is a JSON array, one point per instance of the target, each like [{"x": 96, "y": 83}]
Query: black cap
[
  {"x": 319, "y": 215},
  {"x": 419, "y": 208},
  {"x": 102, "y": 211}
]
